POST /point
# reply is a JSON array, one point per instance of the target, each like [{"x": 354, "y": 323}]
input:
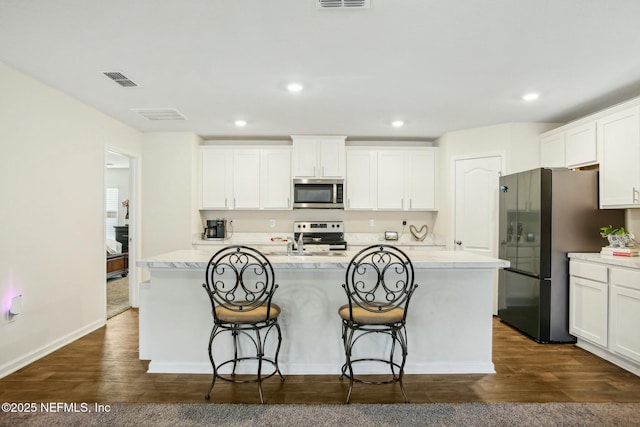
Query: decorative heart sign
[{"x": 419, "y": 235}]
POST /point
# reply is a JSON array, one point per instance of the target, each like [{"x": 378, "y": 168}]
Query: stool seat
[
  {"x": 256, "y": 315},
  {"x": 383, "y": 316}
]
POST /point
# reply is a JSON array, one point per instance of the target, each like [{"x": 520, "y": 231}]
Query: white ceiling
[{"x": 439, "y": 65}]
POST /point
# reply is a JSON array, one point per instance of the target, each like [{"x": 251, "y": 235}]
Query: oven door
[{"x": 316, "y": 195}]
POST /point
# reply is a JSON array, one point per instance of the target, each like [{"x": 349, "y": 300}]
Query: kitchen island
[{"x": 449, "y": 324}]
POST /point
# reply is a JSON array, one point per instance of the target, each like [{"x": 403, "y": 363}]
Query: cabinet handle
[
  {"x": 635, "y": 195},
  {"x": 314, "y": 171},
  {"x": 225, "y": 203},
  {"x": 401, "y": 203},
  {"x": 322, "y": 171},
  {"x": 410, "y": 203},
  {"x": 288, "y": 201},
  {"x": 348, "y": 203},
  {"x": 234, "y": 203}
]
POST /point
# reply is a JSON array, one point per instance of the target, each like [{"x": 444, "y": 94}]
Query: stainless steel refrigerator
[{"x": 544, "y": 214}]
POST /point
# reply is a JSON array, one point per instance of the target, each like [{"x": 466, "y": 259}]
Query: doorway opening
[{"x": 118, "y": 231}]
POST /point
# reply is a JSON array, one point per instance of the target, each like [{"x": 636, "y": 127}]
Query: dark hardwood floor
[{"x": 103, "y": 367}]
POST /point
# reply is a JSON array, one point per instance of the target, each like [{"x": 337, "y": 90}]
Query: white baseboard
[
  {"x": 22, "y": 361},
  {"x": 325, "y": 369},
  {"x": 609, "y": 356}
]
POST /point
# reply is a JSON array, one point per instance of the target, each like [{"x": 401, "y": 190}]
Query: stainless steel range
[{"x": 325, "y": 235}]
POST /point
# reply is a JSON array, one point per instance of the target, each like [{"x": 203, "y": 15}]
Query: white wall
[
  {"x": 518, "y": 142},
  {"x": 52, "y": 157},
  {"x": 169, "y": 211}
]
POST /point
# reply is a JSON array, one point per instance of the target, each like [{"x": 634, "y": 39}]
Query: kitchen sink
[{"x": 306, "y": 254}]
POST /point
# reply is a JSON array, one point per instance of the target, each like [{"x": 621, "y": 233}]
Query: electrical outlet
[
  {"x": 371, "y": 223},
  {"x": 272, "y": 223}
]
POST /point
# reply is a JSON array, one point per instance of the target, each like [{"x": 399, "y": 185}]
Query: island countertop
[{"x": 190, "y": 259}]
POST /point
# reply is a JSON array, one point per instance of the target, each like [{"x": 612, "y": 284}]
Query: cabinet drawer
[
  {"x": 625, "y": 278},
  {"x": 588, "y": 271}
]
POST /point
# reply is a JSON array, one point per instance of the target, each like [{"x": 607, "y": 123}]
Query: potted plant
[{"x": 617, "y": 237}]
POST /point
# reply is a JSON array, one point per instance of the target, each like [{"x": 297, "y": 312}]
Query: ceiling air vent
[
  {"x": 159, "y": 113},
  {"x": 343, "y": 4},
  {"x": 120, "y": 78}
]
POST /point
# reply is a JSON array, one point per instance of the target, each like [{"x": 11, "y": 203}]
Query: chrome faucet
[{"x": 300, "y": 245}]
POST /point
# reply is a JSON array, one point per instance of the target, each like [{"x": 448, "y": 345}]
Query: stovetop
[{"x": 321, "y": 233}]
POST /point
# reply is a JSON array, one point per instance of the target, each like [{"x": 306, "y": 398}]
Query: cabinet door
[
  {"x": 580, "y": 146},
  {"x": 552, "y": 151},
  {"x": 246, "y": 179},
  {"x": 624, "y": 313},
  {"x": 420, "y": 183},
  {"x": 217, "y": 177},
  {"x": 276, "y": 179},
  {"x": 304, "y": 158},
  {"x": 361, "y": 179},
  {"x": 390, "y": 180},
  {"x": 331, "y": 153},
  {"x": 619, "y": 137},
  {"x": 588, "y": 310}
]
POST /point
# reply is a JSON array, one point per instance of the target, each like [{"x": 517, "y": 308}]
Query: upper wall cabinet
[
  {"x": 619, "y": 138},
  {"x": 318, "y": 156},
  {"x": 580, "y": 146},
  {"x": 570, "y": 146},
  {"x": 552, "y": 150},
  {"x": 391, "y": 179},
  {"x": 245, "y": 178},
  {"x": 609, "y": 138}
]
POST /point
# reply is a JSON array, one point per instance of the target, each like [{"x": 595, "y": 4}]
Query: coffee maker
[{"x": 216, "y": 229}]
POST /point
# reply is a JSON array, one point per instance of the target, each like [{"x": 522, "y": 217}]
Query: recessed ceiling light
[
  {"x": 397, "y": 123},
  {"x": 240, "y": 123},
  {"x": 294, "y": 87},
  {"x": 530, "y": 96}
]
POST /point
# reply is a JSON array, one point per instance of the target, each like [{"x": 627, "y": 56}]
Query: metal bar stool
[
  {"x": 240, "y": 285},
  {"x": 379, "y": 283}
]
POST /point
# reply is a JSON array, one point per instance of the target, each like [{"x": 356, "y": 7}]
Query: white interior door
[{"x": 476, "y": 207}]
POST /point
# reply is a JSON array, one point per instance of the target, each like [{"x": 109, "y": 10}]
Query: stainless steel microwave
[{"x": 318, "y": 194}]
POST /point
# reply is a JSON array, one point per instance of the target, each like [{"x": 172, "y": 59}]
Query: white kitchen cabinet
[
  {"x": 624, "y": 309},
  {"x": 217, "y": 178},
  {"x": 589, "y": 302},
  {"x": 245, "y": 178},
  {"x": 361, "y": 179},
  {"x": 275, "y": 179},
  {"x": 552, "y": 150},
  {"x": 390, "y": 180},
  {"x": 619, "y": 140},
  {"x": 580, "y": 145},
  {"x": 604, "y": 307},
  {"x": 420, "y": 181},
  {"x": 318, "y": 156}
]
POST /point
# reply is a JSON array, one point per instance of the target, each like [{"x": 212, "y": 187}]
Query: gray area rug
[
  {"x": 117, "y": 296},
  {"x": 355, "y": 415}
]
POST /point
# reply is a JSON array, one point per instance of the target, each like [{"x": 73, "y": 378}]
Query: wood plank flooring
[{"x": 103, "y": 367}]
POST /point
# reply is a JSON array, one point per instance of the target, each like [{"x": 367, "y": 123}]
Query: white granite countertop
[
  {"x": 197, "y": 260},
  {"x": 630, "y": 262}
]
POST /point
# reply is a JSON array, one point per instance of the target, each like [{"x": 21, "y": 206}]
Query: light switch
[{"x": 16, "y": 305}]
